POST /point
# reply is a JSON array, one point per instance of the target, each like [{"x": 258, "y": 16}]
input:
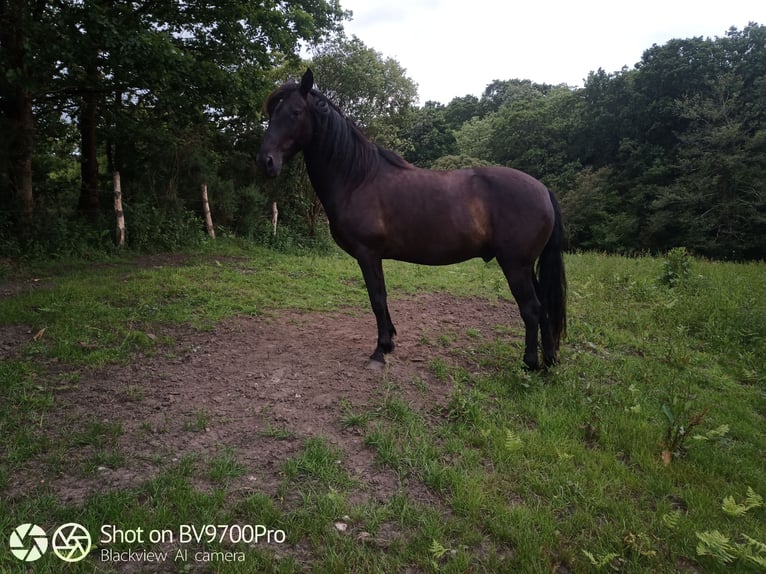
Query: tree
[
  {"x": 152, "y": 86},
  {"x": 458, "y": 161},
  {"x": 19, "y": 38},
  {"x": 431, "y": 137},
  {"x": 501, "y": 92},
  {"x": 462, "y": 109},
  {"x": 474, "y": 136},
  {"x": 371, "y": 89},
  {"x": 533, "y": 134},
  {"x": 717, "y": 205}
]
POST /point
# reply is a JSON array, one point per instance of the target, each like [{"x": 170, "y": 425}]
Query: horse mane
[{"x": 338, "y": 137}]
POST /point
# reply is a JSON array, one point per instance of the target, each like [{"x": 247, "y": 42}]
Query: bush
[
  {"x": 676, "y": 268},
  {"x": 151, "y": 229},
  {"x": 50, "y": 234},
  {"x": 295, "y": 239}
]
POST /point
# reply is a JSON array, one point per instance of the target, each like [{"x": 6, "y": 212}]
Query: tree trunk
[
  {"x": 22, "y": 155},
  {"x": 120, "y": 234},
  {"x": 206, "y": 211},
  {"x": 17, "y": 106},
  {"x": 89, "y": 187}
]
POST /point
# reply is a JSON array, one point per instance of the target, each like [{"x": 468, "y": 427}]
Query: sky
[{"x": 452, "y": 48}]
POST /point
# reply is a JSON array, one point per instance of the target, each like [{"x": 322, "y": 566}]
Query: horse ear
[{"x": 307, "y": 82}]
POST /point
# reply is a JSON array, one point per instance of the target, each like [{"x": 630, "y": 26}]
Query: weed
[
  {"x": 676, "y": 267},
  {"x": 351, "y": 419},
  {"x": 440, "y": 369},
  {"x": 224, "y": 466},
  {"x": 199, "y": 423},
  {"x": 277, "y": 432},
  {"x": 679, "y": 425},
  {"x": 134, "y": 393},
  {"x": 319, "y": 461}
]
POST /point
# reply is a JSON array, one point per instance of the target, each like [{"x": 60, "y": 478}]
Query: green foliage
[
  {"x": 437, "y": 549},
  {"x": 371, "y": 89},
  {"x": 676, "y": 268},
  {"x": 720, "y": 548},
  {"x": 669, "y": 152},
  {"x": 602, "y": 561},
  {"x": 50, "y": 235},
  {"x": 641, "y": 162},
  {"x": 153, "y": 229},
  {"x": 473, "y": 137},
  {"x": 512, "y": 441},
  {"x": 458, "y": 162},
  {"x": 716, "y": 545},
  {"x": 752, "y": 500},
  {"x": 174, "y": 94},
  {"x": 672, "y": 519},
  {"x": 713, "y": 434},
  {"x": 431, "y": 137},
  {"x": 680, "y": 421}
]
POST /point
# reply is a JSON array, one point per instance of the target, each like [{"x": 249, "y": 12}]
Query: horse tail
[{"x": 551, "y": 277}]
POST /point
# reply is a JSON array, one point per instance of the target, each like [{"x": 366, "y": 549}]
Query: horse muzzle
[{"x": 270, "y": 163}]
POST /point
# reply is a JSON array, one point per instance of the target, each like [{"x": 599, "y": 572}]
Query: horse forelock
[{"x": 279, "y": 94}]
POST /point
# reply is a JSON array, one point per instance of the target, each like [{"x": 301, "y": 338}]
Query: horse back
[{"x": 442, "y": 217}]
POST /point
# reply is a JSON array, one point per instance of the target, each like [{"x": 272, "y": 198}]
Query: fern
[
  {"x": 437, "y": 550},
  {"x": 512, "y": 441},
  {"x": 718, "y": 432},
  {"x": 601, "y": 561},
  {"x": 718, "y": 546},
  {"x": 713, "y": 543},
  {"x": 672, "y": 519},
  {"x": 753, "y": 550},
  {"x": 752, "y": 500}
]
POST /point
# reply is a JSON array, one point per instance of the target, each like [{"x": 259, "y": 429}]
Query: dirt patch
[
  {"x": 259, "y": 387},
  {"x": 12, "y": 338}
]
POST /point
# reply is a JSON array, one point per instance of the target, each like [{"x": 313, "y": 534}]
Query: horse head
[{"x": 290, "y": 124}]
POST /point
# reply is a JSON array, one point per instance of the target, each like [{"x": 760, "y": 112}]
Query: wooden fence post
[
  {"x": 274, "y": 216},
  {"x": 206, "y": 211},
  {"x": 120, "y": 232}
]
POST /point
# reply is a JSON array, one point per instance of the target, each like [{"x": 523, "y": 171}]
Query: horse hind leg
[
  {"x": 521, "y": 281},
  {"x": 546, "y": 333}
]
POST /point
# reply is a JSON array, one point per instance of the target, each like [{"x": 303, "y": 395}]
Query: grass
[{"x": 621, "y": 458}]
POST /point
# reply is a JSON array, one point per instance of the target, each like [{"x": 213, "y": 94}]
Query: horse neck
[{"x": 338, "y": 159}]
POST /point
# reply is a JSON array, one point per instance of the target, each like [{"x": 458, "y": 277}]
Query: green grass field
[{"x": 643, "y": 451}]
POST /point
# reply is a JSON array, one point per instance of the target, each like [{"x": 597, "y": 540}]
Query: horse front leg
[{"x": 372, "y": 271}]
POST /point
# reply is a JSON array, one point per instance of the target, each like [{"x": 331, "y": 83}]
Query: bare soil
[{"x": 258, "y": 387}]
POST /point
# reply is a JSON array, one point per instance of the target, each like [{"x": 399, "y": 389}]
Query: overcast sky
[{"x": 456, "y": 47}]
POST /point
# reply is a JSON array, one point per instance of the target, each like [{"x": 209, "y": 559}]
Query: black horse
[{"x": 381, "y": 207}]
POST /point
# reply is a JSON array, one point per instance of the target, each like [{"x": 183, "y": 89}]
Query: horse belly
[{"x": 440, "y": 235}]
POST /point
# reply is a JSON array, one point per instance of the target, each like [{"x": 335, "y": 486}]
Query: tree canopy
[
  {"x": 165, "y": 92},
  {"x": 670, "y": 152}
]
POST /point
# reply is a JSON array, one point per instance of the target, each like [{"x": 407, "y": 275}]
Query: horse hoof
[
  {"x": 531, "y": 365},
  {"x": 376, "y": 365}
]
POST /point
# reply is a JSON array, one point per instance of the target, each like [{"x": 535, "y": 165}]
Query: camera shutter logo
[
  {"x": 71, "y": 542},
  {"x": 28, "y": 542}
]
